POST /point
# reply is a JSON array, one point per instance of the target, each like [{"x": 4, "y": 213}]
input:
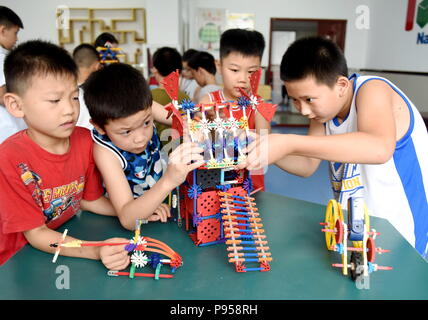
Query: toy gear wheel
[{"x": 139, "y": 259}]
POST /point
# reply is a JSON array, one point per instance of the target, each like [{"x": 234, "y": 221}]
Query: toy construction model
[
  {"x": 214, "y": 201},
  {"x": 244, "y": 233},
  {"x": 363, "y": 249},
  {"x": 109, "y": 54},
  {"x": 137, "y": 248}
]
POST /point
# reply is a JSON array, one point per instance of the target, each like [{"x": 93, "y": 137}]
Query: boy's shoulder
[
  {"x": 370, "y": 81},
  {"x": 19, "y": 144},
  {"x": 3, "y": 53},
  {"x": 15, "y": 143},
  {"x": 81, "y": 139},
  {"x": 161, "y": 96},
  {"x": 215, "y": 89},
  {"x": 81, "y": 133}
]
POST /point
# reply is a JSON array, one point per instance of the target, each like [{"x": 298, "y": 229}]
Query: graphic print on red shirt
[{"x": 41, "y": 188}]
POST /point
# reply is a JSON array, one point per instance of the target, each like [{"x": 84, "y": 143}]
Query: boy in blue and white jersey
[{"x": 367, "y": 128}]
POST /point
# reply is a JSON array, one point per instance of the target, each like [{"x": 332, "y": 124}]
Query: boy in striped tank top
[
  {"x": 367, "y": 128},
  {"x": 241, "y": 53},
  {"x": 127, "y": 149}
]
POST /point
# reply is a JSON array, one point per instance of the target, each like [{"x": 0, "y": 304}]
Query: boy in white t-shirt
[
  {"x": 10, "y": 24},
  {"x": 188, "y": 83},
  {"x": 87, "y": 60},
  {"x": 204, "y": 68}
]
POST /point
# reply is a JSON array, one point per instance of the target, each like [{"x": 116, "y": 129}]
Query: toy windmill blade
[
  {"x": 244, "y": 93},
  {"x": 255, "y": 81},
  {"x": 170, "y": 83},
  {"x": 172, "y": 111},
  {"x": 177, "y": 121},
  {"x": 267, "y": 110},
  {"x": 177, "y": 124}
]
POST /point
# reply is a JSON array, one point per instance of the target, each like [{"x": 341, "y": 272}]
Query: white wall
[
  {"x": 389, "y": 46},
  {"x": 385, "y": 46},
  {"x": 356, "y": 40},
  {"x": 39, "y": 17},
  {"x": 414, "y": 86}
]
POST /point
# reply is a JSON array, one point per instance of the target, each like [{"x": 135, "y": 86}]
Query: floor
[{"x": 315, "y": 188}]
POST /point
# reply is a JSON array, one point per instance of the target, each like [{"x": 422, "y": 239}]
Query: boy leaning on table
[{"x": 47, "y": 172}]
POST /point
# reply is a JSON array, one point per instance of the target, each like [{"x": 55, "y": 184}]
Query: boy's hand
[
  {"x": 115, "y": 257},
  {"x": 211, "y": 114},
  {"x": 180, "y": 162},
  {"x": 262, "y": 151},
  {"x": 162, "y": 213}
]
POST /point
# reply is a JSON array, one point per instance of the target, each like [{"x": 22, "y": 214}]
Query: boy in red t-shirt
[
  {"x": 241, "y": 53},
  {"x": 47, "y": 172}
]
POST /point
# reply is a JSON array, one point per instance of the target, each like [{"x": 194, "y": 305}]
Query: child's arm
[
  {"x": 261, "y": 123},
  {"x": 159, "y": 114},
  {"x": 101, "y": 206},
  {"x": 113, "y": 257},
  {"x": 300, "y": 165},
  {"x": 270, "y": 149},
  {"x": 128, "y": 209},
  {"x": 373, "y": 143}
]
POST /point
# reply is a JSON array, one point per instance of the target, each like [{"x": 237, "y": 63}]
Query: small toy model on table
[
  {"x": 243, "y": 232},
  {"x": 136, "y": 247},
  {"x": 337, "y": 234},
  {"x": 213, "y": 191},
  {"x": 109, "y": 54}
]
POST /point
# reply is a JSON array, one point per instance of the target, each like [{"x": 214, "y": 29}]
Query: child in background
[
  {"x": 204, "y": 69},
  {"x": 10, "y": 24},
  {"x": 47, "y": 172},
  {"x": 104, "y": 39},
  {"x": 241, "y": 53},
  {"x": 369, "y": 130},
  {"x": 127, "y": 149},
  {"x": 165, "y": 60},
  {"x": 105, "y": 44},
  {"x": 87, "y": 60},
  {"x": 188, "y": 83}
]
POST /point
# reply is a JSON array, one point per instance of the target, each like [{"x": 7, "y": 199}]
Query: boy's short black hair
[
  {"x": 9, "y": 18},
  {"x": 103, "y": 38},
  {"x": 313, "y": 56},
  {"x": 36, "y": 57},
  {"x": 203, "y": 60},
  {"x": 167, "y": 60},
  {"x": 116, "y": 91},
  {"x": 188, "y": 54},
  {"x": 85, "y": 55},
  {"x": 249, "y": 43}
]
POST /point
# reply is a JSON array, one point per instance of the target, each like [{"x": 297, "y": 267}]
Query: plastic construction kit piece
[
  {"x": 338, "y": 233},
  {"x": 203, "y": 121},
  {"x": 137, "y": 247},
  {"x": 109, "y": 54},
  {"x": 244, "y": 232},
  {"x": 222, "y": 130}
]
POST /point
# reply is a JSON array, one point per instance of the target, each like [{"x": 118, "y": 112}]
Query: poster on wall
[
  {"x": 241, "y": 21},
  {"x": 210, "y": 25}
]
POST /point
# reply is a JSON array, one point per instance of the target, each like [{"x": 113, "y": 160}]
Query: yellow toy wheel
[{"x": 332, "y": 213}]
